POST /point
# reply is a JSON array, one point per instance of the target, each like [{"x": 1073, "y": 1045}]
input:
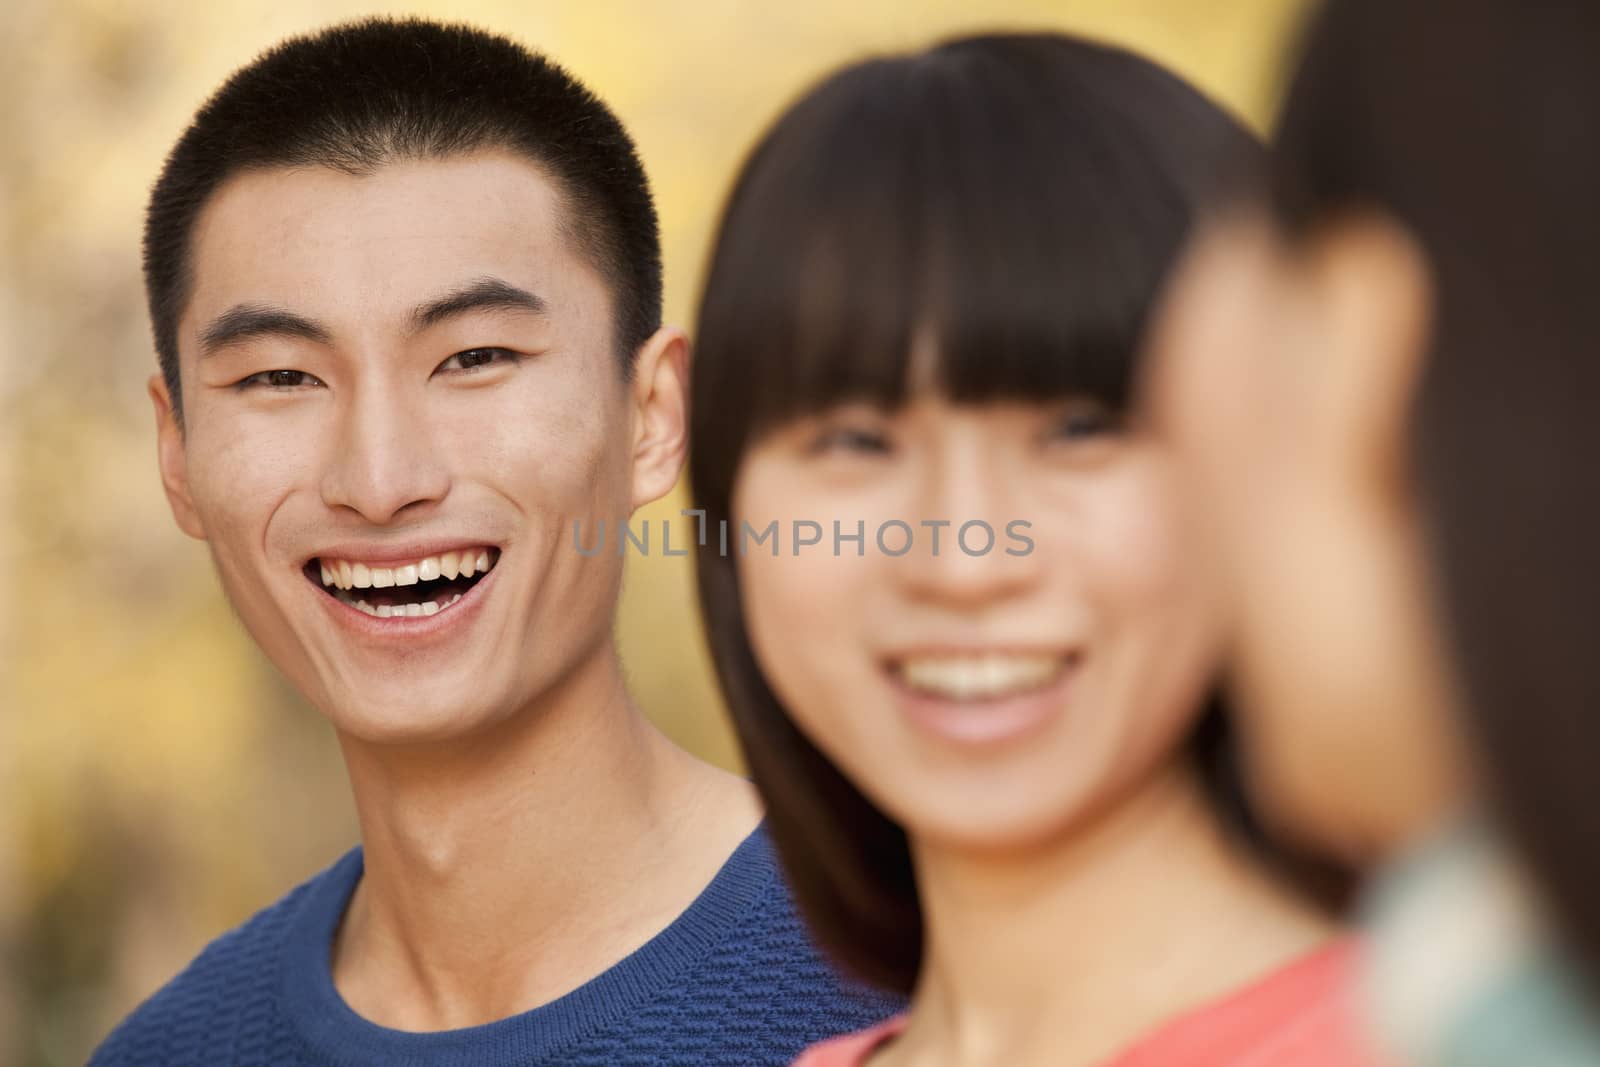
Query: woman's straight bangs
[{"x": 942, "y": 224}]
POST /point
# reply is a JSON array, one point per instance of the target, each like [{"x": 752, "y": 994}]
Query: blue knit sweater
[{"x": 735, "y": 981}]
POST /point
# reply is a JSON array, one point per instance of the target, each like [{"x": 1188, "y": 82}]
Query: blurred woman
[
  {"x": 972, "y": 664},
  {"x": 1380, "y": 374}
]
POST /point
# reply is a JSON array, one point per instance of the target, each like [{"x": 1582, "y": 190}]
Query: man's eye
[
  {"x": 473, "y": 358},
  {"x": 278, "y": 379}
]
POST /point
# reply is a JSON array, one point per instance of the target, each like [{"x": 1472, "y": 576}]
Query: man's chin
[{"x": 405, "y": 720}]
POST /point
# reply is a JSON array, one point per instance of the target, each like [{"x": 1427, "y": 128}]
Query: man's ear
[
  {"x": 173, "y": 460},
  {"x": 660, "y": 408},
  {"x": 1372, "y": 295}
]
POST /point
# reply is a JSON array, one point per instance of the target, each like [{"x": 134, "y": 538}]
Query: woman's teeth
[
  {"x": 345, "y": 574},
  {"x": 986, "y": 677}
]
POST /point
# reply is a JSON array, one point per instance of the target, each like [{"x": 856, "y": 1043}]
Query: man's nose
[{"x": 385, "y": 457}]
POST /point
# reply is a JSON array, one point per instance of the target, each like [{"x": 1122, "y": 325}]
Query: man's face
[{"x": 391, "y": 383}]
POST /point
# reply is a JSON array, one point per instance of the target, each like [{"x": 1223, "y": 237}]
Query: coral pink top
[{"x": 1300, "y": 1014}]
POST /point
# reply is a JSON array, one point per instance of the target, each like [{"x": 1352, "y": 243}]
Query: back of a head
[
  {"x": 1471, "y": 122},
  {"x": 356, "y": 96}
]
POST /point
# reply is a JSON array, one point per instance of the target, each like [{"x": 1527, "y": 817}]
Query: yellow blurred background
[{"x": 159, "y": 781}]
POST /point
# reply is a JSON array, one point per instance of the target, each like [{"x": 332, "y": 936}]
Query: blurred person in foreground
[
  {"x": 405, "y": 284},
  {"x": 1381, "y": 377},
  {"x": 999, "y": 773}
]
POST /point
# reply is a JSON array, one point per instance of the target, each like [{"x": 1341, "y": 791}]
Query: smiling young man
[{"x": 405, "y": 285}]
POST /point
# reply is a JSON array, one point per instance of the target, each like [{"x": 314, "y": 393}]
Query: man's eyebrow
[
  {"x": 245, "y": 321},
  {"x": 485, "y": 293}
]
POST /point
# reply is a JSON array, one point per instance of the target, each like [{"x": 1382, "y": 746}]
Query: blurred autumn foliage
[{"x": 158, "y": 780}]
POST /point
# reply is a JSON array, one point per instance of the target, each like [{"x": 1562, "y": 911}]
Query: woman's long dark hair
[
  {"x": 1476, "y": 125},
  {"x": 1023, "y": 198}
]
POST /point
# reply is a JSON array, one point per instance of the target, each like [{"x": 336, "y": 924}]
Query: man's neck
[{"x": 506, "y": 869}]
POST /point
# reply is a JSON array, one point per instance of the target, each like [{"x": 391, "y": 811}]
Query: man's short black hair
[{"x": 362, "y": 94}]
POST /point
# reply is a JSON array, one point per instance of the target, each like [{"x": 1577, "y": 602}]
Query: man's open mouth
[{"x": 421, "y": 587}]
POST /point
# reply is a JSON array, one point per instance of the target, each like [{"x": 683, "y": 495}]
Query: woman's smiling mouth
[
  {"x": 984, "y": 696},
  {"x": 978, "y": 677}
]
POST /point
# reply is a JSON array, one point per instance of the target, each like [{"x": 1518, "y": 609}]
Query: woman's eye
[
  {"x": 851, "y": 439},
  {"x": 1082, "y": 423},
  {"x": 278, "y": 379},
  {"x": 473, "y": 358}
]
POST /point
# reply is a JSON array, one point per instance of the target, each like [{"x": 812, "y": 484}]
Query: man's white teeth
[
  {"x": 345, "y": 574},
  {"x": 410, "y": 611},
  {"x": 985, "y": 677}
]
